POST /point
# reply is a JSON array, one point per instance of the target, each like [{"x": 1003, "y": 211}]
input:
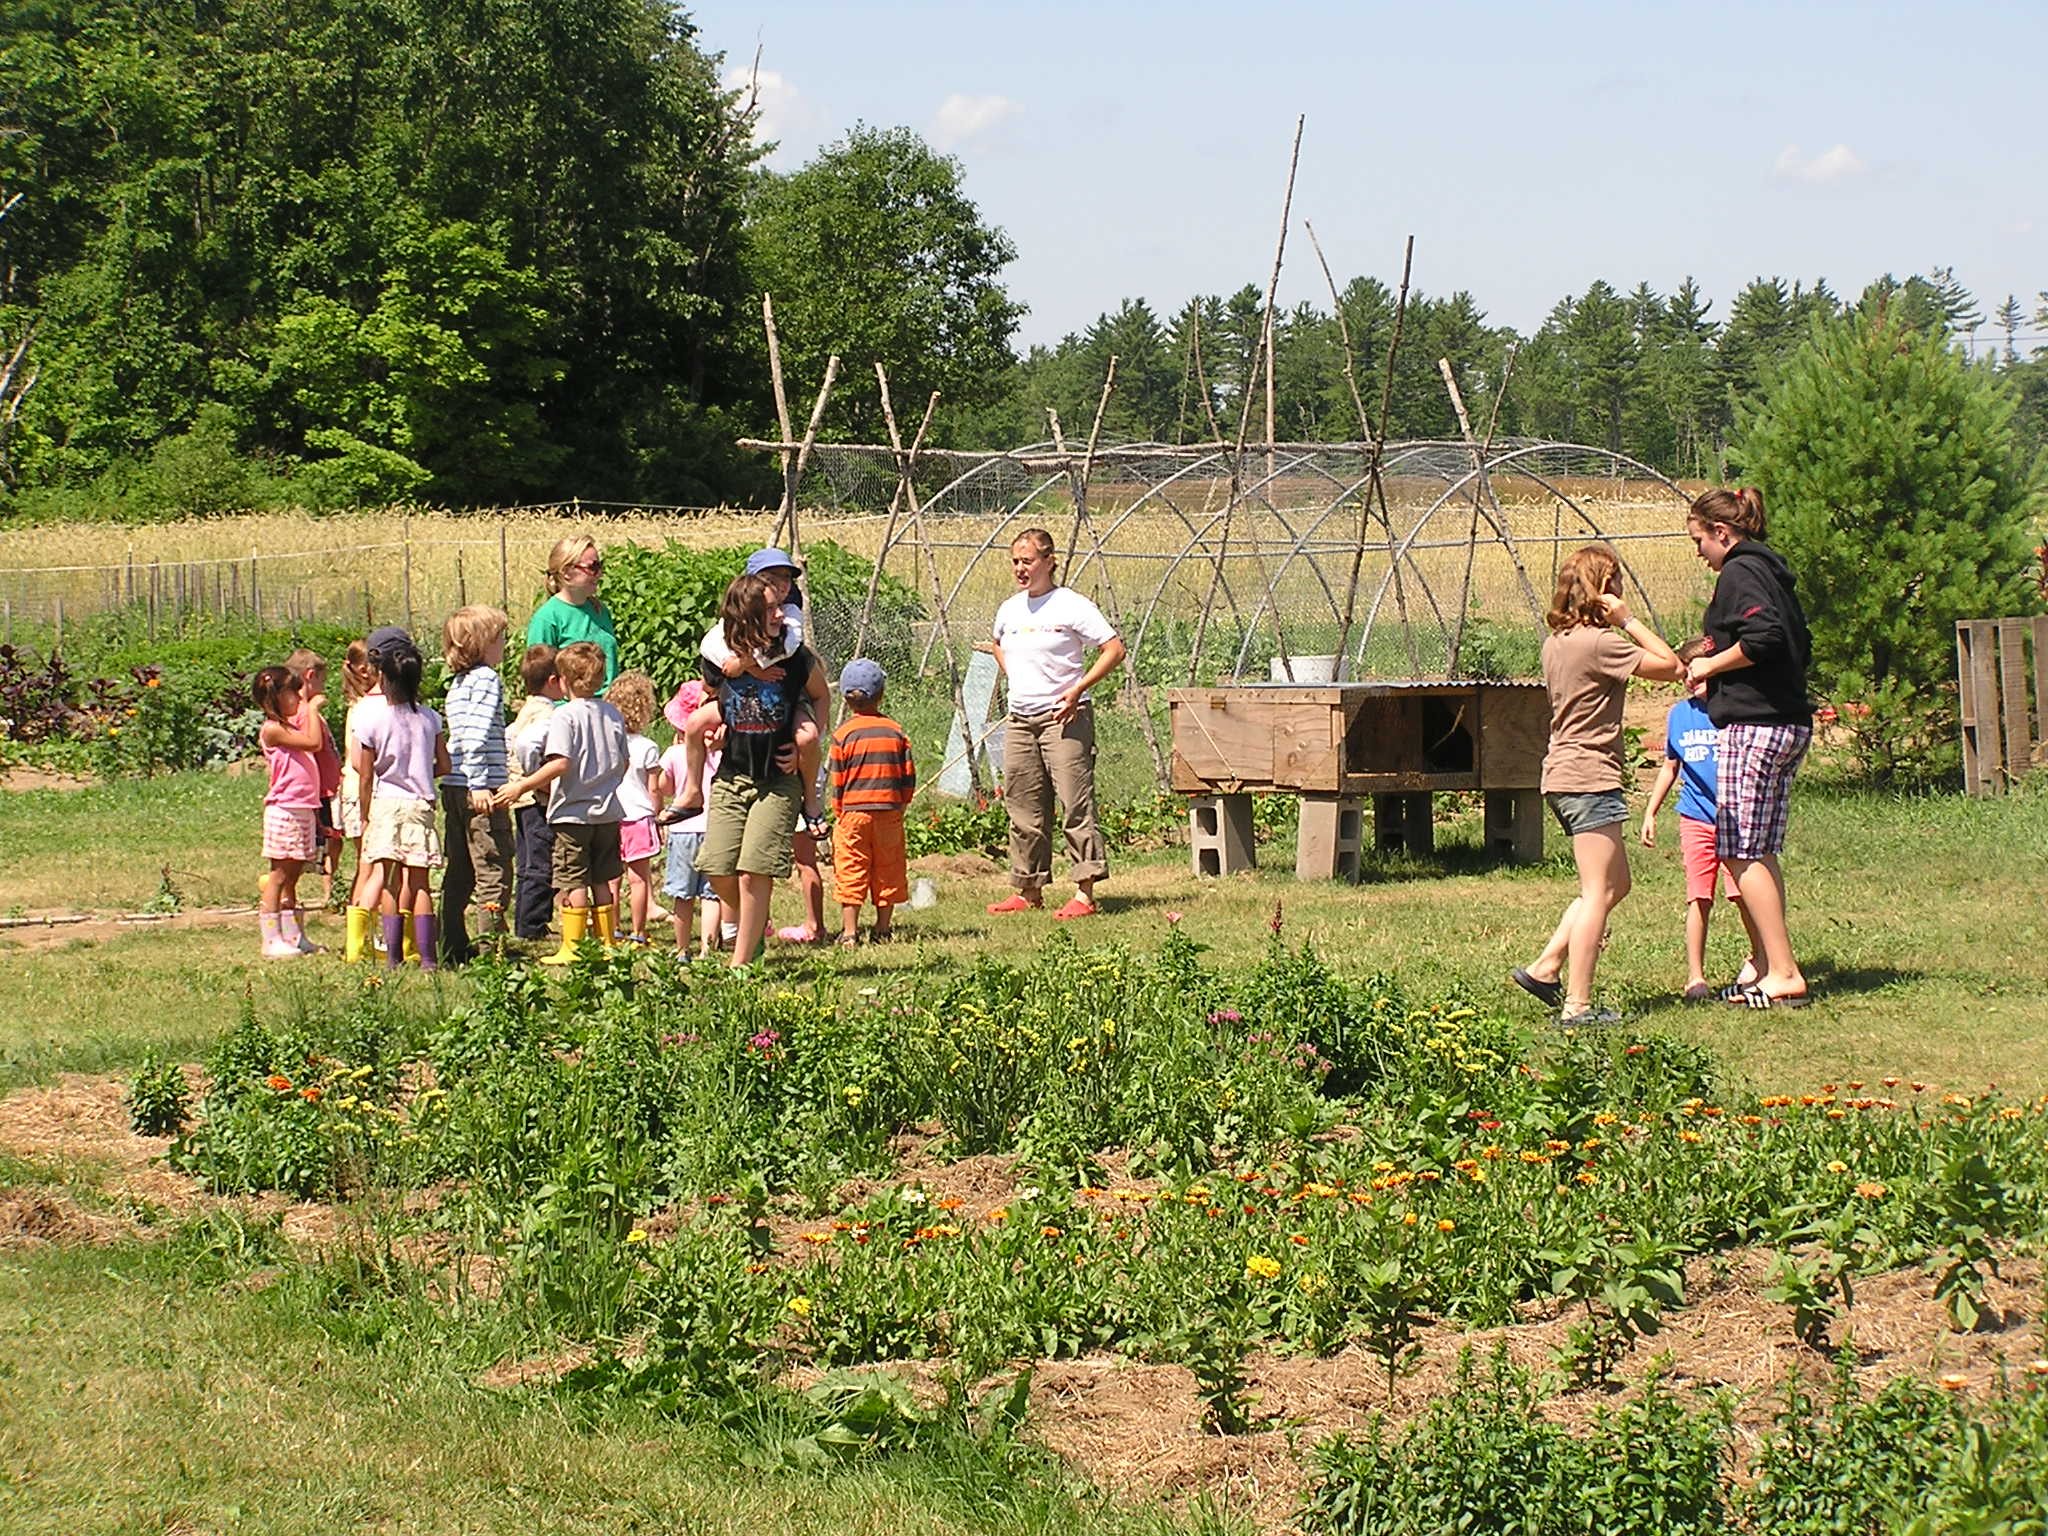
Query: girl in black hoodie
[{"x": 1755, "y": 673}]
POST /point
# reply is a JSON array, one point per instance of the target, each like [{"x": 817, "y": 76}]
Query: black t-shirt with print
[{"x": 759, "y": 717}]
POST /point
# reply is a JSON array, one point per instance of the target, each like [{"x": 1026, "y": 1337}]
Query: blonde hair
[
  {"x": 632, "y": 694},
  {"x": 1741, "y": 509},
  {"x": 1041, "y": 541},
  {"x": 358, "y": 673},
  {"x": 1584, "y": 577},
  {"x": 470, "y": 632},
  {"x": 565, "y": 554},
  {"x": 581, "y": 668}
]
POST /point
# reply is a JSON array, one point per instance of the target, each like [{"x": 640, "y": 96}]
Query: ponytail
[
  {"x": 402, "y": 667},
  {"x": 265, "y": 687},
  {"x": 1741, "y": 509}
]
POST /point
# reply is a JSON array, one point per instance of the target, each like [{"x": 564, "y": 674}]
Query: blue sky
[{"x": 1141, "y": 150}]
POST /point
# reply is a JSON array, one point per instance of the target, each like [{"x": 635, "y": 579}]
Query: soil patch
[
  {"x": 21, "y": 776},
  {"x": 972, "y": 866},
  {"x": 30, "y": 1218},
  {"x": 59, "y": 929}
]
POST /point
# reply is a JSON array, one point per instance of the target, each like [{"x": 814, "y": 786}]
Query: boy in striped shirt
[
  {"x": 478, "y": 838},
  {"x": 873, "y": 778}
]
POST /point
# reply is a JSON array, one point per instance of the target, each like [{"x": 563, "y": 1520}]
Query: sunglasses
[{"x": 593, "y": 565}]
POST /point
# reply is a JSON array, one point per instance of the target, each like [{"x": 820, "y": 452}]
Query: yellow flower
[
  {"x": 1313, "y": 1284},
  {"x": 1259, "y": 1267},
  {"x": 1838, "y": 1166},
  {"x": 800, "y": 1306},
  {"x": 1410, "y": 1219},
  {"x": 637, "y": 1235},
  {"x": 1445, "y": 1224}
]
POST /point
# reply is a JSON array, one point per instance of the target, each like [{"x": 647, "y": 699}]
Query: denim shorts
[
  {"x": 679, "y": 877},
  {"x": 1588, "y": 813}
]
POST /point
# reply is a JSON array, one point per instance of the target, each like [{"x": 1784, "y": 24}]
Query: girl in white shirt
[{"x": 1043, "y": 636}]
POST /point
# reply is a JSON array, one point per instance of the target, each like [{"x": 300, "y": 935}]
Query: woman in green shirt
[{"x": 575, "y": 612}]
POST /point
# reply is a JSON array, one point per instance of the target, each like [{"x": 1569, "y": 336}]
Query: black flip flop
[{"x": 1548, "y": 993}]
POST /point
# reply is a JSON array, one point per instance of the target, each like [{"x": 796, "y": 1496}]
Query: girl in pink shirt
[{"x": 291, "y": 810}]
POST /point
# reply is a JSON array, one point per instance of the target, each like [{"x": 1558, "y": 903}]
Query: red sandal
[
  {"x": 1075, "y": 908},
  {"x": 1017, "y": 903}
]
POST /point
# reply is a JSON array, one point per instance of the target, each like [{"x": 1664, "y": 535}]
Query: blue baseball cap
[
  {"x": 389, "y": 640},
  {"x": 863, "y": 677},
  {"x": 762, "y": 561}
]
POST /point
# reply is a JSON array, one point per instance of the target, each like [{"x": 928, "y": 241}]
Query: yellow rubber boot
[
  {"x": 607, "y": 925},
  {"x": 357, "y": 946},
  {"x": 575, "y": 923}
]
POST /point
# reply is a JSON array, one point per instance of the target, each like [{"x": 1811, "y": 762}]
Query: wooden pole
[
  {"x": 504, "y": 570},
  {"x": 222, "y": 593},
  {"x": 803, "y": 457},
  {"x": 255, "y": 602},
  {"x": 1483, "y": 498},
  {"x": 7, "y": 621},
  {"x": 155, "y": 595},
  {"x": 1375, "y": 484},
  {"x": 461, "y": 586},
  {"x": 903, "y": 490},
  {"x": 131, "y": 573},
  {"x": 932, "y": 567},
  {"x": 775, "y": 380},
  {"x": 1270, "y": 371},
  {"x": 57, "y": 645},
  {"x": 408, "y": 565}
]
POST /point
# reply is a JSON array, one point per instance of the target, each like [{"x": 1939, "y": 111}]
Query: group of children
[{"x": 549, "y": 815}]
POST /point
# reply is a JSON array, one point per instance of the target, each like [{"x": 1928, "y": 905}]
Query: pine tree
[{"x": 1887, "y": 462}]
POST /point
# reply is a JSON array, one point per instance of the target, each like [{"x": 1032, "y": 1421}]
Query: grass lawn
[{"x": 1921, "y": 924}]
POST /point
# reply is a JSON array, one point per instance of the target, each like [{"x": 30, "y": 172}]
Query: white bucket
[
  {"x": 924, "y": 892},
  {"x": 1307, "y": 669}
]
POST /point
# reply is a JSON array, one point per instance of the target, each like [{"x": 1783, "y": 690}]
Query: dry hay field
[{"x": 1298, "y": 548}]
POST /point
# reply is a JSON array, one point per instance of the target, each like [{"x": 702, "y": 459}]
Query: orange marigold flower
[
  {"x": 1586, "y": 1176},
  {"x": 1952, "y": 1381},
  {"x": 1410, "y": 1219},
  {"x": 1690, "y": 1136},
  {"x": 1554, "y": 1145},
  {"x": 1052, "y": 1231},
  {"x": 310, "y": 1095},
  {"x": 1534, "y": 1157},
  {"x": 1000, "y": 1213},
  {"x": 1445, "y": 1224},
  {"x": 1299, "y": 1239},
  {"x": 1871, "y": 1190},
  {"x": 951, "y": 1203},
  {"x": 815, "y": 1237},
  {"x": 279, "y": 1082}
]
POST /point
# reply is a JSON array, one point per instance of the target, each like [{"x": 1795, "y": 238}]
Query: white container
[
  {"x": 923, "y": 893},
  {"x": 1307, "y": 669}
]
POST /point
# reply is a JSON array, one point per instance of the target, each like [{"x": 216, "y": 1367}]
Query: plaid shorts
[{"x": 1756, "y": 768}]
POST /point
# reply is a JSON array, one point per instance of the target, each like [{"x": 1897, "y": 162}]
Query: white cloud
[
  {"x": 1828, "y": 165},
  {"x": 961, "y": 117},
  {"x": 786, "y": 115}
]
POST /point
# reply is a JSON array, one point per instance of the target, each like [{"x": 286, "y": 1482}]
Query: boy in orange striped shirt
[{"x": 873, "y": 778}]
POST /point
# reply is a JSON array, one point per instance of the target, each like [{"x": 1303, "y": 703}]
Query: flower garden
[{"x": 713, "y": 1192}]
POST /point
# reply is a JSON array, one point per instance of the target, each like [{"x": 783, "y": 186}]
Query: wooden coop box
[{"x": 1336, "y": 744}]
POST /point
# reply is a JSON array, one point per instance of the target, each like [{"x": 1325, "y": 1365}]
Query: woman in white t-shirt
[{"x": 1043, "y": 636}]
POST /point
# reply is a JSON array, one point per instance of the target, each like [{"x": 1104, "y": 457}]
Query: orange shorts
[{"x": 868, "y": 860}]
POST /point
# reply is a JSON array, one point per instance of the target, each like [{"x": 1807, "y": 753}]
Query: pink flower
[{"x": 1173, "y": 917}]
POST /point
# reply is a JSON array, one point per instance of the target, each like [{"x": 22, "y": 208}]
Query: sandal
[
  {"x": 1548, "y": 993},
  {"x": 1017, "y": 903},
  {"x": 1698, "y": 992},
  {"x": 1075, "y": 908},
  {"x": 846, "y": 941},
  {"x": 1754, "y": 996}
]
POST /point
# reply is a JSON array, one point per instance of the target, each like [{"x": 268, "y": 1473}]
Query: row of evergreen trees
[{"x": 1652, "y": 376}]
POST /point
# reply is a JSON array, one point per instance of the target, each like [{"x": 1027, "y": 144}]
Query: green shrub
[{"x": 158, "y": 1098}]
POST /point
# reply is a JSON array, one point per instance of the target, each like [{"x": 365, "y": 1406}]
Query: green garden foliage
[{"x": 1895, "y": 490}]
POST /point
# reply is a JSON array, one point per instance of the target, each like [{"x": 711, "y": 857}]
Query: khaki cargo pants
[{"x": 1043, "y": 759}]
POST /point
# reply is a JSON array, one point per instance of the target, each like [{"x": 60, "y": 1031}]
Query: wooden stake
[
  {"x": 903, "y": 492},
  {"x": 931, "y": 560},
  {"x": 408, "y": 565},
  {"x": 461, "y": 586},
  {"x": 803, "y": 457},
  {"x": 1482, "y": 487},
  {"x": 57, "y": 646},
  {"x": 504, "y": 570}
]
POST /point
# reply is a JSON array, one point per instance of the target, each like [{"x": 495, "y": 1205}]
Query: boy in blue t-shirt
[{"x": 1691, "y": 760}]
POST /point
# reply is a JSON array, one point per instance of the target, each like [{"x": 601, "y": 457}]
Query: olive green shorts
[
  {"x": 750, "y": 826},
  {"x": 586, "y": 855}
]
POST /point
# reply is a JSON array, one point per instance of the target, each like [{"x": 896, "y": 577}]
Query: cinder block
[
  {"x": 1332, "y": 835},
  {"x": 1220, "y": 834},
  {"x": 1514, "y": 823},
  {"x": 1403, "y": 822}
]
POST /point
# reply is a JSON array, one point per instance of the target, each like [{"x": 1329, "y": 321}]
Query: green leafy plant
[{"x": 158, "y": 1098}]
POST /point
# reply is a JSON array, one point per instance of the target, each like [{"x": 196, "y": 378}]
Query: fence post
[
  {"x": 504, "y": 571},
  {"x": 461, "y": 586},
  {"x": 6, "y": 620},
  {"x": 131, "y": 573},
  {"x": 255, "y": 604},
  {"x": 408, "y": 567},
  {"x": 57, "y": 645},
  {"x": 155, "y": 581}
]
